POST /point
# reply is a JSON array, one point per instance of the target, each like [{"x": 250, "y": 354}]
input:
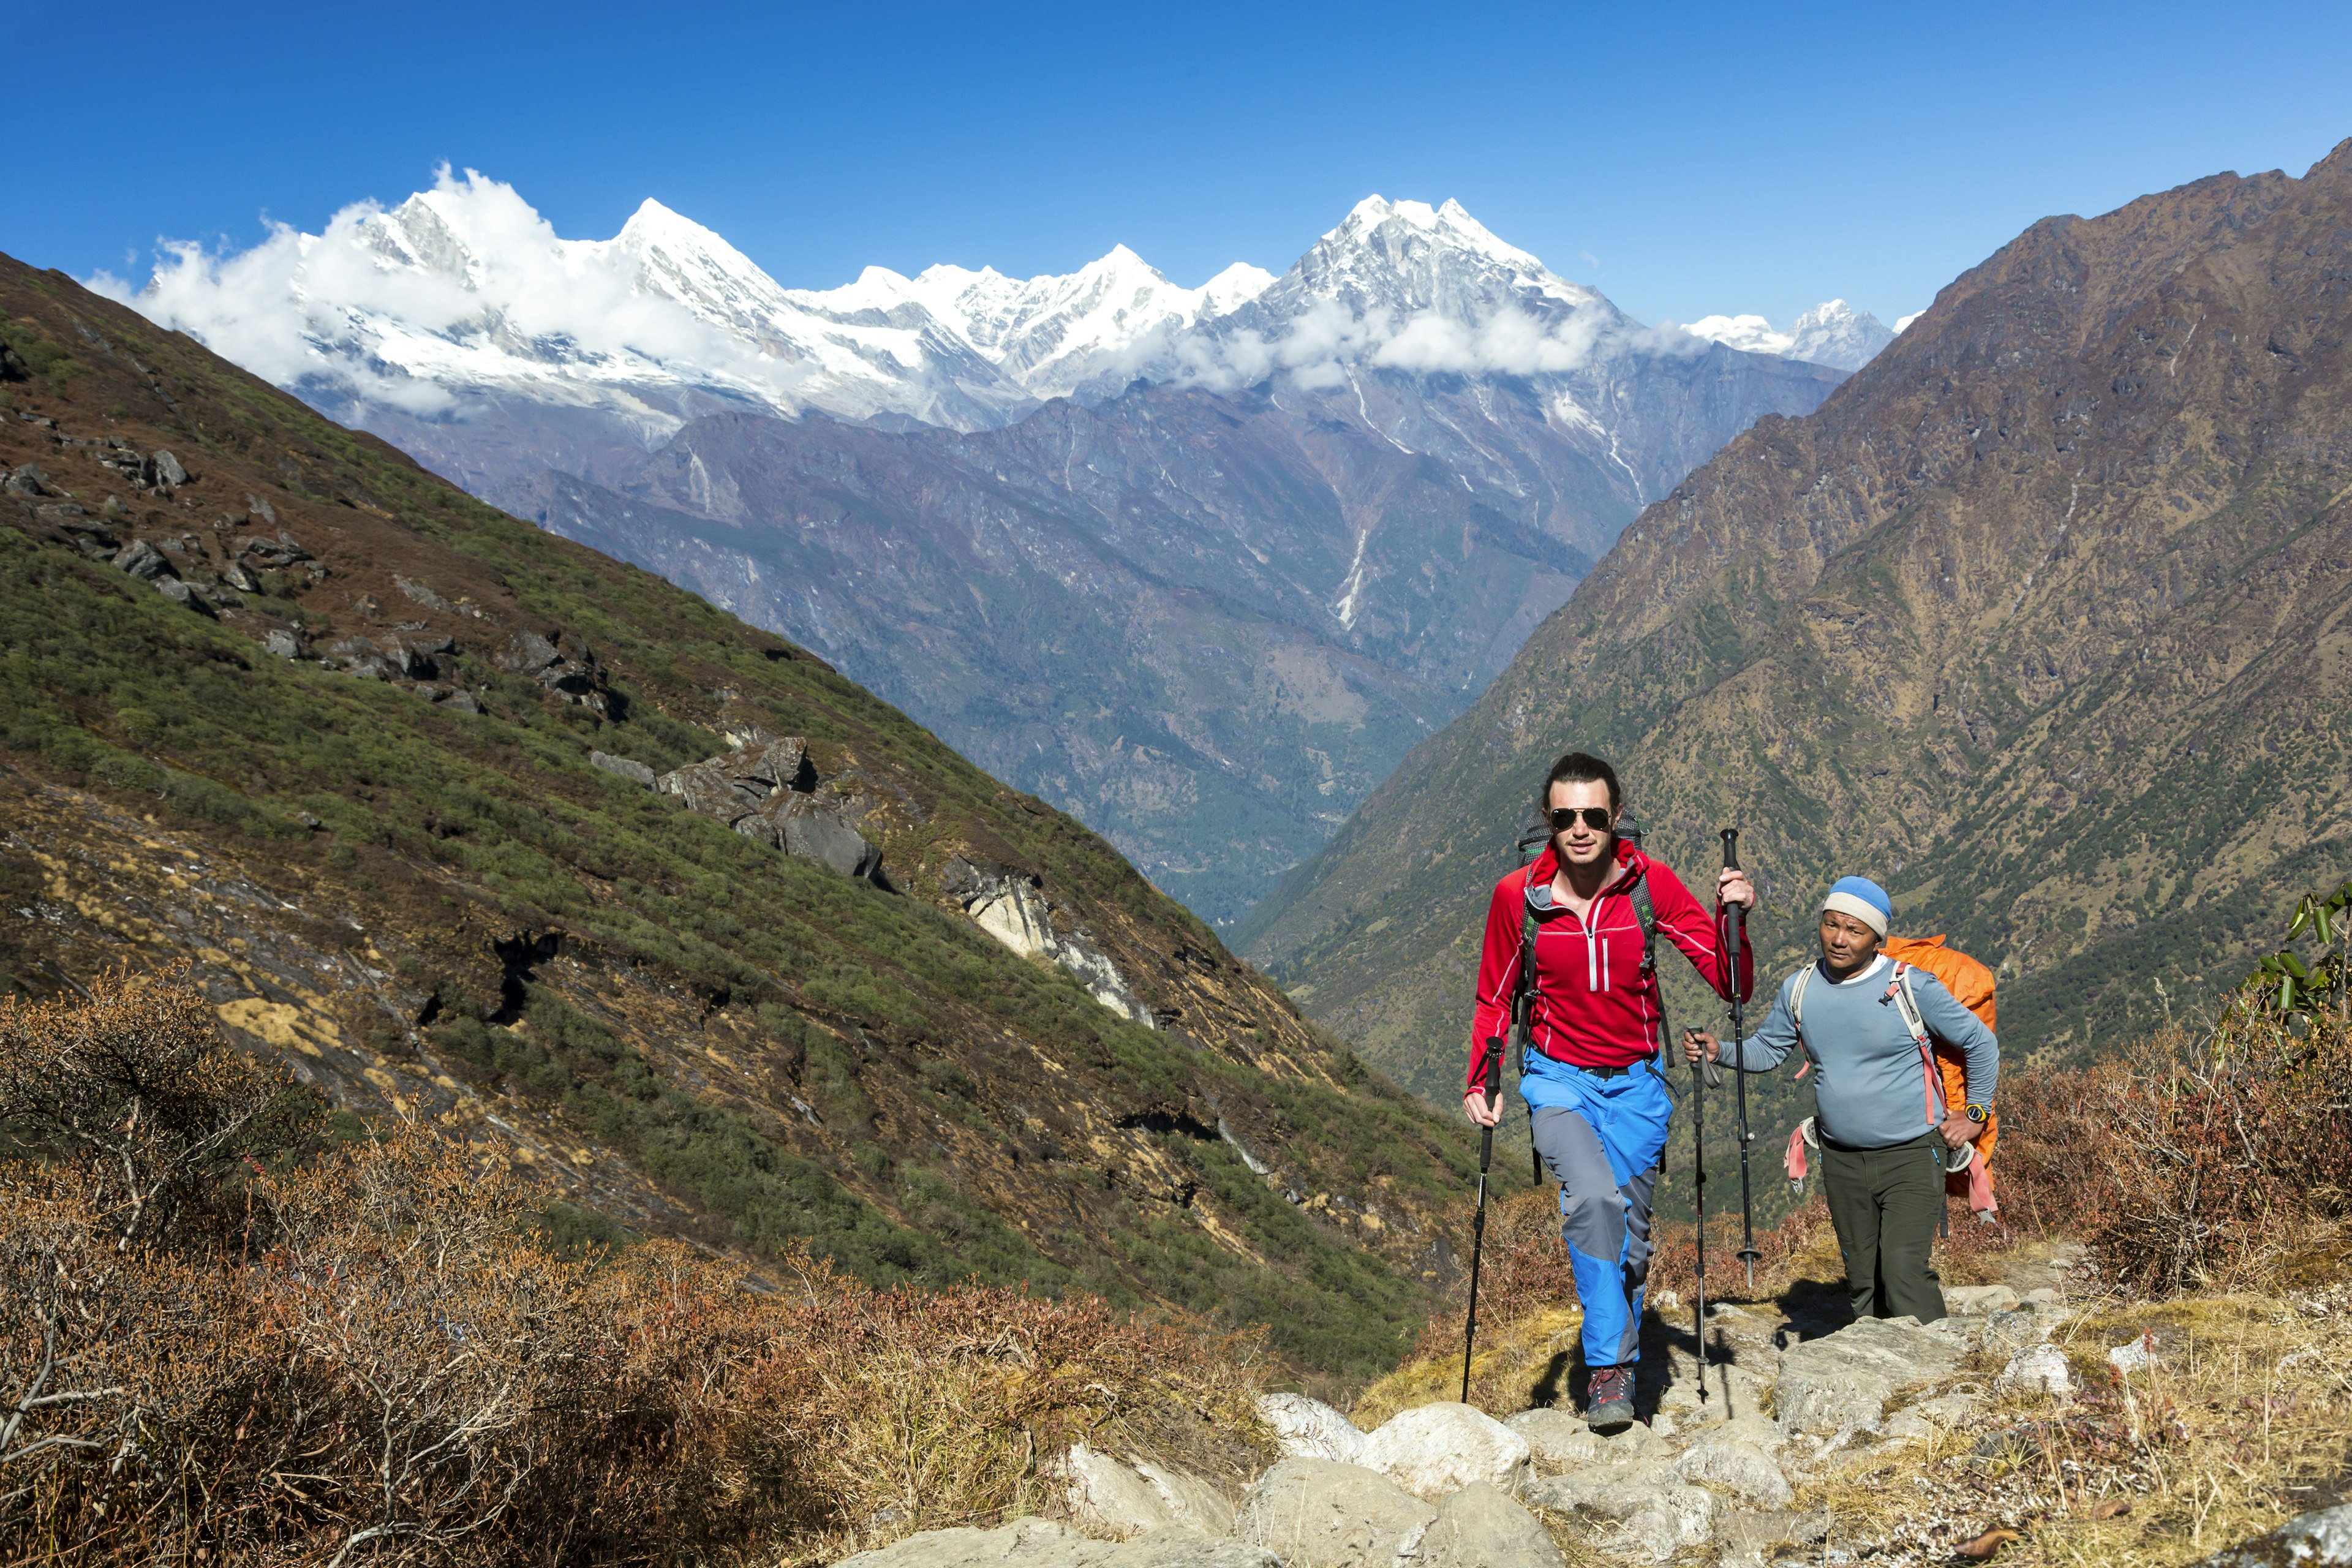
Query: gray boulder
[
  {"x": 2319, "y": 1539},
  {"x": 1605, "y": 1491},
  {"x": 2036, "y": 1369},
  {"x": 1740, "y": 1466},
  {"x": 1133, "y": 1497},
  {"x": 1314, "y": 1513},
  {"x": 814, "y": 828},
  {"x": 1845, "y": 1379},
  {"x": 1683, "y": 1517},
  {"x": 1310, "y": 1429},
  {"x": 1560, "y": 1438},
  {"x": 1043, "y": 1543},
  {"x": 284, "y": 643},
  {"x": 1479, "y": 1527},
  {"x": 144, "y": 561},
  {"x": 1436, "y": 1450},
  {"x": 634, "y": 771},
  {"x": 772, "y": 766},
  {"x": 168, "y": 470},
  {"x": 708, "y": 790}
]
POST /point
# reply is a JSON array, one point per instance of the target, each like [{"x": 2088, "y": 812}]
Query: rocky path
[{"x": 1787, "y": 1403}]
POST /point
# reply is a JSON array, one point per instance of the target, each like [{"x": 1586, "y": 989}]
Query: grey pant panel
[{"x": 1597, "y": 1217}]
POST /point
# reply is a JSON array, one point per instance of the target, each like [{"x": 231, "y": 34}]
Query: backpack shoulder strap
[
  {"x": 1523, "y": 991},
  {"x": 1647, "y": 913},
  {"x": 1907, "y": 1002}
]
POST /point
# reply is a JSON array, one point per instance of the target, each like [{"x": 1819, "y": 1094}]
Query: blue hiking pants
[{"x": 1602, "y": 1139}]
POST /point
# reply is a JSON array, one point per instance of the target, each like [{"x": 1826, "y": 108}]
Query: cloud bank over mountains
[{"x": 466, "y": 292}]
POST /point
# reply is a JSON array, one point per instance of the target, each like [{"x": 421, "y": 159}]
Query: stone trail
[{"x": 1448, "y": 1486}]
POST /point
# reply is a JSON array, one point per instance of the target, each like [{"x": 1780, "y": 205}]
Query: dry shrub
[
  {"x": 878, "y": 1412},
  {"x": 2212, "y": 1161},
  {"x": 378, "y": 1361}
]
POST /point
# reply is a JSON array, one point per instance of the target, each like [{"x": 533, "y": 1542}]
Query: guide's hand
[
  {"x": 1698, "y": 1041},
  {"x": 1485, "y": 1112},
  {"x": 1959, "y": 1129},
  {"x": 1732, "y": 886}
]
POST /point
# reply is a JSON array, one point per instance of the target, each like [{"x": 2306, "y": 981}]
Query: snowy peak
[
  {"x": 1833, "y": 333},
  {"x": 1060, "y": 333}
]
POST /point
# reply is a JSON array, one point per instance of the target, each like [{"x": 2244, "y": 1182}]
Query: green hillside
[{"x": 328, "y": 741}]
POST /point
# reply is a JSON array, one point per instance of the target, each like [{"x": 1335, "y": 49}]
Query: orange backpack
[{"x": 1971, "y": 984}]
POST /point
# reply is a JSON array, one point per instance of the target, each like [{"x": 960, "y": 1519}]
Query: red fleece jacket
[{"x": 1593, "y": 1006}]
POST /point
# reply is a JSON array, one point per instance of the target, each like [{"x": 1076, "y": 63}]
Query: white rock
[
  {"x": 1930, "y": 1417},
  {"x": 1681, "y": 1517},
  {"x": 1973, "y": 1299},
  {"x": 1479, "y": 1527},
  {"x": 1741, "y": 1466},
  {"x": 2036, "y": 1369},
  {"x": 1315, "y": 1514},
  {"x": 1845, "y": 1379},
  {"x": 1559, "y": 1438},
  {"x": 1111, "y": 1496},
  {"x": 1434, "y": 1450},
  {"x": 1310, "y": 1429},
  {"x": 1193, "y": 1501},
  {"x": 2133, "y": 1355}
]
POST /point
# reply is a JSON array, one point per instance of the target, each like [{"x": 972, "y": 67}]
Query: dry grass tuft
[{"x": 2244, "y": 1421}]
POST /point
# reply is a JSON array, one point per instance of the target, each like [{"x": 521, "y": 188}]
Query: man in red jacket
[{"x": 1593, "y": 1075}]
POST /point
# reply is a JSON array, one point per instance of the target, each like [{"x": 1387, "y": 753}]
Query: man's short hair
[{"x": 1577, "y": 767}]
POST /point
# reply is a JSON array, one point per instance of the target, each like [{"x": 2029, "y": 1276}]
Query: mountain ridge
[{"x": 2071, "y": 547}]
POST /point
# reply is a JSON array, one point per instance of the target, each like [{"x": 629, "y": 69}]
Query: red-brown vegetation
[{"x": 222, "y": 1339}]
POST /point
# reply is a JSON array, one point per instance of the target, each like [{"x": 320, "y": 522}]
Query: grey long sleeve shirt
[{"x": 1872, "y": 1090}]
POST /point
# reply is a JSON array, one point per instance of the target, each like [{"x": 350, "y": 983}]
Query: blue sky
[{"x": 1685, "y": 160}]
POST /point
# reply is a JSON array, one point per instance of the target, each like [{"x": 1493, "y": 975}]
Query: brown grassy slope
[
  {"x": 455, "y": 915},
  {"x": 224, "y": 1341},
  {"x": 2040, "y": 618}
]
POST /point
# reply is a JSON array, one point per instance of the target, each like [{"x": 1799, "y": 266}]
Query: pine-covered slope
[
  {"x": 2041, "y": 619},
  {"x": 325, "y": 733}
]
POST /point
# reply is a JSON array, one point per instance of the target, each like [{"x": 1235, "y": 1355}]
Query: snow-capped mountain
[
  {"x": 1832, "y": 333},
  {"x": 1088, "y": 331},
  {"x": 465, "y": 292},
  {"x": 1206, "y": 614}
]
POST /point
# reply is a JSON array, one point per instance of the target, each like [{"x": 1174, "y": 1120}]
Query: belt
[{"x": 1596, "y": 1072}]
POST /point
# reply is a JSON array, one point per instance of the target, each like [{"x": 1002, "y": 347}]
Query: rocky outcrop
[
  {"x": 1479, "y": 1527},
  {"x": 1010, "y": 906},
  {"x": 1310, "y": 1429},
  {"x": 1434, "y": 1450},
  {"x": 768, "y": 789},
  {"x": 1132, "y": 1498},
  {"x": 1316, "y": 1513},
  {"x": 1043, "y": 1543},
  {"x": 1847, "y": 1378}
]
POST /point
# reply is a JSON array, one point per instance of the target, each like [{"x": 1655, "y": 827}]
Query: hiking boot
[{"x": 1609, "y": 1403}]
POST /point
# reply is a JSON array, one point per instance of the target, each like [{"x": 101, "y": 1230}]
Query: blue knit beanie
[{"x": 1862, "y": 899}]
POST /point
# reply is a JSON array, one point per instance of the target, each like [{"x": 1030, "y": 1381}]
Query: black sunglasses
[{"x": 1596, "y": 818}]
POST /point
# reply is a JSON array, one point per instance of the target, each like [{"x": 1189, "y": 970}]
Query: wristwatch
[{"x": 1978, "y": 1113}]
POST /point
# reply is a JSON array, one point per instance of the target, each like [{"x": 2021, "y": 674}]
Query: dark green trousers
[{"x": 1884, "y": 1204}]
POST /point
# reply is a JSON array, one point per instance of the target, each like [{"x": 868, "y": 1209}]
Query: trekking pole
[
  {"x": 1494, "y": 1090},
  {"x": 1698, "y": 1196},
  {"x": 1738, "y": 945}
]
